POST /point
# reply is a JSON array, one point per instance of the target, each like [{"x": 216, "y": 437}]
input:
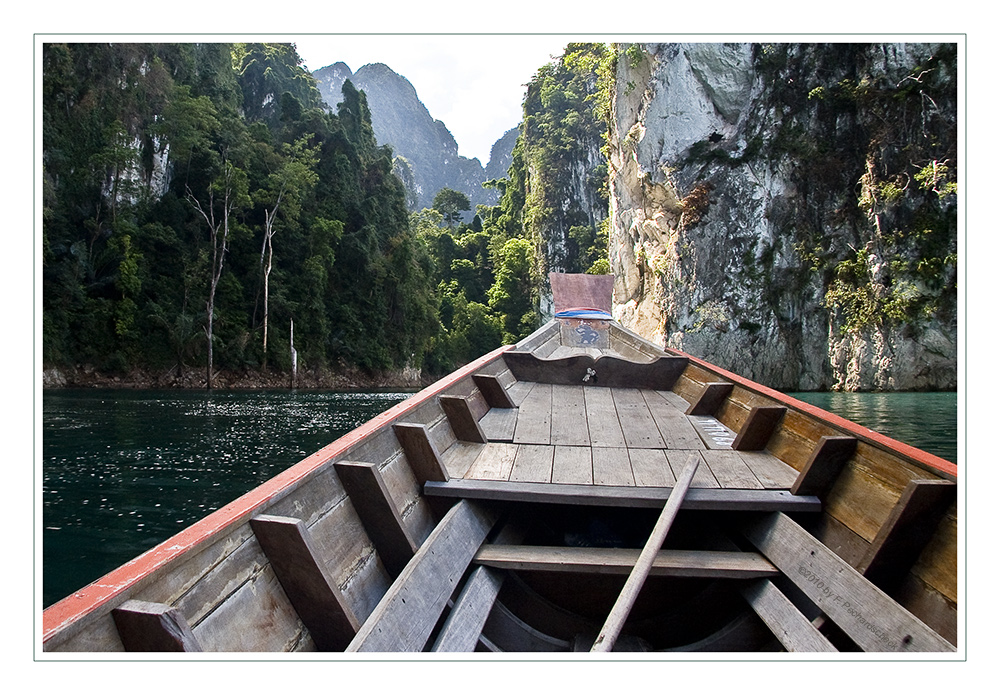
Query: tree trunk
[{"x": 291, "y": 347}]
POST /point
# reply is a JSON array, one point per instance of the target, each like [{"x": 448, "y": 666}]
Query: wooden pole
[{"x": 605, "y": 641}]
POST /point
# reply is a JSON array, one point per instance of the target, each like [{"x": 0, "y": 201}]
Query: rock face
[
  {"x": 788, "y": 211},
  {"x": 426, "y": 152}
]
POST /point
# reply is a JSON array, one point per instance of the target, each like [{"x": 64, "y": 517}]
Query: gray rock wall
[{"x": 771, "y": 211}]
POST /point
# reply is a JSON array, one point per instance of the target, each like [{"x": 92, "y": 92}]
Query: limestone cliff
[
  {"x": 789, "y": 211},
  {"x": 427, "y": 158}
]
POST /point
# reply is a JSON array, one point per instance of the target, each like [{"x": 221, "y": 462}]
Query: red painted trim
[
  {"x": 91, "y": 597},
  {"x": 918, "y": 456}
]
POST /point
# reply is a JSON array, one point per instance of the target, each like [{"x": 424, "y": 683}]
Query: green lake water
[
  {"x": 928, "y": 421},
  {"x": 124, "y": 470}
]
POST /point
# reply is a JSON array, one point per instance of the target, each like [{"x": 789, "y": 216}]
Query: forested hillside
[
  {"x": 197, "y": 197},
  {"x": 201, "y": 209}
]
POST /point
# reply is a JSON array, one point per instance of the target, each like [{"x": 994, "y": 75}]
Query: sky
[{"x": 473, "y": 83}]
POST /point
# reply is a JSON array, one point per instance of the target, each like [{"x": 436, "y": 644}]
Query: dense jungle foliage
[{"x": 199, "y": 199}]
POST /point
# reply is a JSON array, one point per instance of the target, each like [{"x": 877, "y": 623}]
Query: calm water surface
[
  {"x": 928, "y": 421},
  {"x": 125, "y": 470}
]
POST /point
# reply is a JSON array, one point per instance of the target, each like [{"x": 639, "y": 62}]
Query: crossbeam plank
[
  {"x": 605, "y": 370},
  {"x": 382, "y": 521},
  {"x": 492, "y": 389},
  {"x": 908, "y": 529},
  {"x": 713, "y": 499},
  {"x": 153, "y": 627},
  {"x": 824, "y": 464},
  {"x": 710, "y": 397},
  {"x": 464, "y": 625},
  {"x": 863, "y": 611},
  {"x": 405, "y": 617},
  {"x": 758, "y": 427},
  {"x": 462, "y": 421},
  {"x": 421, "y": 452},
  {"x": 620, "y": 561},
  {"x": 795, "y": 632},
  {"x": 310, "y": 589}
]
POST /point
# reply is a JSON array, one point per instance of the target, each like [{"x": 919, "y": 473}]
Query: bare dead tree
[{"x": 218, "y": 229}]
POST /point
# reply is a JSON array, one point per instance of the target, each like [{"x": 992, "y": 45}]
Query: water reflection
[
  {"x": 125, "y": 470},
  {"x": 928, "y": 421}
]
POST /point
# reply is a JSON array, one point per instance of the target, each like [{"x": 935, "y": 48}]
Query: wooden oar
[{"x": 626, "y": 599}]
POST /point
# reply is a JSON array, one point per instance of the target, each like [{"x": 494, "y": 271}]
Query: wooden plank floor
[{"x": 595, "y": 435}]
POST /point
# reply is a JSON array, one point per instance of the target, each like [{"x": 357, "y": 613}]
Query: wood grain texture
[
  {"x": 712, "y": 394},
  {"x": 708, "y": 499},
  {"x": 569, "y": 416},
  {"x": 675, "y": 428},
  {"x": 498, "y": 424},
  {"x": 757, "y": 429},
  {"x": 408, "y": 613},
  {"x": 650, "y": 468},
  {"x": 602, "y": 418},
  {"x": 315, "y": 597},
  {"x": 795, "y": 632},
  {"x": 572, "y": 464},
  {"x": 493, "y": 390},
  {"x": 606, "y": 370},
  {"x": 865, "y": 613},
  {"x": 612, "y": 466},
  {"x": 532, "y": 464},
  {"x": 620, "y": 561},
  {"x": 534, "y": 416},
  {"x": 637, "y": 423},
  {"x": 153, "y": 627},
  {"x": 772, "y": 472},
  {"x": 495, "y": 462},
  {"x": 703, "y": 477},
  {"x": 382, "y": 521},
  {"x": 906, "y": 532},
  {"x": 421, "y": 453},
  {"x": 464, "y": 424},
  {"x": 730, "y": 470}
]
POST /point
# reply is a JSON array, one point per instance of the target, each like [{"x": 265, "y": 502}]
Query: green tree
[
  {"x": 451, "y": 204},
  {"x": 512, "y": 293}
]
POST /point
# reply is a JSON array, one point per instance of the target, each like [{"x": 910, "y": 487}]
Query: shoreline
[{"x": 84, "y": 377}]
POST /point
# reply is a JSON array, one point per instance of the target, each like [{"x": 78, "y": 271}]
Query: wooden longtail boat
[{"x": 583, "y": 490}]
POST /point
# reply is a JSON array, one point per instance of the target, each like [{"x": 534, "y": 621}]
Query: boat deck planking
[{"x": 610, "y": 436}]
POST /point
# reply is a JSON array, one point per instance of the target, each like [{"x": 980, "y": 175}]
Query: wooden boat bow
[{"x": 503, "y": 508}]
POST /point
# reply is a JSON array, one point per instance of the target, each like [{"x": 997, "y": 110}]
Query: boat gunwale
[
  {"x": 927, "y": 461},
  {"x": 101, "y": 591}
]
